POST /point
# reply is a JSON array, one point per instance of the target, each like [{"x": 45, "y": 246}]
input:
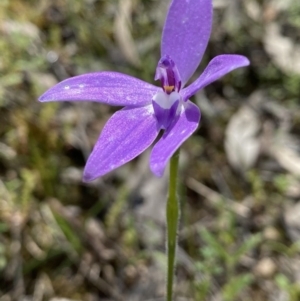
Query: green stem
[{"x": 172, "y": 212}]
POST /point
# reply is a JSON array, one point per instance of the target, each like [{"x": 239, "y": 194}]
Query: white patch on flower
[
  {"x": 81, "y": 86},
  {"x": 131, "y": 116},
  {"x": 164, "y": 100},
  {"x": 181, "y": 107},
  {"x": 149, "y": 110},
  {"x": 67, "y": 87},
  {"x": 183, "y": 131}
]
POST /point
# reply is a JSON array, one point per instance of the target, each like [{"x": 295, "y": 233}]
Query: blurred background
[{"x": 61, "y": 239}]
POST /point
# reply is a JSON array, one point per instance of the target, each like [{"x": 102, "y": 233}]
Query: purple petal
[
  {"x": 183, "y": 128},
  {"x": 126, "y": 134},
  {"x": 106, "y": 87},
  {"x": 186, "y": 34},
  {"x": 217, "y": 67}
]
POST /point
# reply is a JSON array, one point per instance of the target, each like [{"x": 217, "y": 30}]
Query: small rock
[
  {"x": 242, "y": 145},
  {"x": 7, "y": 152},
  {"x": 291, "y": 218},
  {"x": 131, "y": 274},
  {"x": 71, "y": 175},
  {"x": 265, "y": 268},
  {"x": 271, "y": 233}
]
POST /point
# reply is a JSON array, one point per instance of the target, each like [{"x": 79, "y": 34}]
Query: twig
[{"x": 215, "y": 198}]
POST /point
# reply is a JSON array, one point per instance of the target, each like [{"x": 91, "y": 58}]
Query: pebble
[
  {"x": 271, "y": 233},
  {"x": 265, "y": 268}
]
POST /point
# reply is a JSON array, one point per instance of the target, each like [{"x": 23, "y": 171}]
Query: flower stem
[{"x": 172, "y": 212}]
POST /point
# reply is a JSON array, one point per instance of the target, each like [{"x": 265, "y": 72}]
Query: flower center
[
  {"x": 167, "y": 73},
  {"x": 167, "y": 103}
]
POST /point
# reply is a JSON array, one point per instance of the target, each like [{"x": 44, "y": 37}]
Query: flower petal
[
  {"x": 186, "y": 34},
  {"x": 171, "y": 140},
  {"x": 126, "y": 134},
  {"x": 217, "y": 67},
  {"x": 106, "y": 87}
]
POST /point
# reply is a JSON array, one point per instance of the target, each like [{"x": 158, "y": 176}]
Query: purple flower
[{"x": 147, "y": 108}]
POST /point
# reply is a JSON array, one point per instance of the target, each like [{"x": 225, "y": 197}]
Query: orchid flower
[{"x": 148, "y": 109}]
